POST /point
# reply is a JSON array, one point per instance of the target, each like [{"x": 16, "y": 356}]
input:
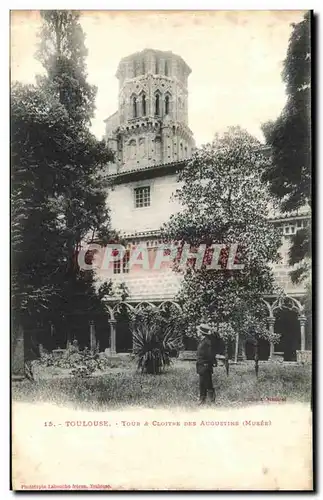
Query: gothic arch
[
  {"x": 142, "y": 102},
  {"x": 157, "y": 146},
  {"x": 172, "y": 303},
  {"x": 269, "y": 308},
  {"x": 277, "y": 317},
  {"x": 132, "y": 148},
  {"x": 142, "y": 147},
  {"x": 167, "y": 103},
  {"x": 111, "y": 312},
  {"x": 134, "y": 105},
  {"x": 143, "y": 303},
  {"x": 287, "y": 302},
  {"x": 157, "y": 103},
  {"x": 117, "y": 307}
]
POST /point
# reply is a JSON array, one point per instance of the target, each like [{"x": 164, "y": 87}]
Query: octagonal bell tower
[{"x": 151, "y": 124}]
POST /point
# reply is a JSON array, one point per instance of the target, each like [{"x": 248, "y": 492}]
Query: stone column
[
  {"x": 92, "y": 336},
  {"x": 271, "y": 323},
  {"x": 241, "y": 349},
  {"x": 52, "y": 344},
  {"x": 52, "y": 329},
  {"x": 113, "y": 343},
  {"x": 18, "y": 354},
  {"x": 302, "y": 321}
]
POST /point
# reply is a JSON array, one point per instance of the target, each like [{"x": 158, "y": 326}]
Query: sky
[{"x": 236, "y": 58}]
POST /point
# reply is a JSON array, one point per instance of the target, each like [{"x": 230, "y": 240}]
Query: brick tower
[{"x": 151, "y": 124}]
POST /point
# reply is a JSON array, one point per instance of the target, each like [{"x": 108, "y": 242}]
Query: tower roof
[{"x": 164, "y": 53}]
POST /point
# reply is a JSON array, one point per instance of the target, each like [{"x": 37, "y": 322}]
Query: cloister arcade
[{"x": 286, "y": 316}]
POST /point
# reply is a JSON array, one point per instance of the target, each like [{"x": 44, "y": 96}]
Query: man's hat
[{"x": 205, "y": 329}]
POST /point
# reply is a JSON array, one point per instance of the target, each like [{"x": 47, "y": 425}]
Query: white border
[{"x": 4, "y": 171}]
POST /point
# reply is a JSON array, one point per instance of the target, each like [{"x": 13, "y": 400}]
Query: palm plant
[{"x": 154, "y": 343}]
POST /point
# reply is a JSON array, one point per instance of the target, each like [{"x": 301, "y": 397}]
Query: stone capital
[{"x": 302, "y": 319}]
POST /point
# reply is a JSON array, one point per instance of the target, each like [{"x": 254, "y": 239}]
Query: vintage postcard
[{"x": 161, "y": 250}]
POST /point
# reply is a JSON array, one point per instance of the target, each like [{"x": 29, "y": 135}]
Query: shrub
[
  {"x": 83, "y": 371},
  {"x": 154, "y": 342},
  {"x": 82, "y": 362}
]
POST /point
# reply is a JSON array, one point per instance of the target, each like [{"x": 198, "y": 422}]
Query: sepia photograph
[{"x": 161, "y": 262}]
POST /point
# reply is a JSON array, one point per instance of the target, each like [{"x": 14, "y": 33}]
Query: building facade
[{"x": 151, "y": 139}]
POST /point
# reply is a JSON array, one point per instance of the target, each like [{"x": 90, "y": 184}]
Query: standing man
[{"x": 205, "y": 362}]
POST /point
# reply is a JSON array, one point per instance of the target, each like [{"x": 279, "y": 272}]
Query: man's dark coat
[{"x": 205, "y": 358}]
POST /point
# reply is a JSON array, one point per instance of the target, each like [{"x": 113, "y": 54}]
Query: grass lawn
[{"x": 177, "y": 387}]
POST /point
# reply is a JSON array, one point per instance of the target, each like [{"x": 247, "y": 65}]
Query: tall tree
[
  {"x": 62, "y": 52},
  {"x": 225, "y": 202},
  {"x": 289, "y": 175},
  {"x": 42, "y": 242},
  {"x": 37, "y": 121},
  {"x": 289, "y": 136},
  {"x": 58, "y": 190}
]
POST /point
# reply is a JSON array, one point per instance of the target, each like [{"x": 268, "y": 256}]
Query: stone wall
[
  {"x": 150, "y": 286},
  {"x": 126, "y": 218},
  {"x": 282, "y": 270}
]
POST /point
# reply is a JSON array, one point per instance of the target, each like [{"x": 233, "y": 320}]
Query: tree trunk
[
  {"x": 256, "y": 357},
  {"x": 236, "y": 351},
  {"x": 227, "y": 358}
]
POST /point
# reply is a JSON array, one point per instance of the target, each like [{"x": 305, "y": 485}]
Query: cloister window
[{"x": 134, "y": 107}]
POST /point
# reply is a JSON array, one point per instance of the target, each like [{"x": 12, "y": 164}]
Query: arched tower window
[
  {"x": 134, "y": 107},
  {"x": 166, "y": 68},
  {"x": 157, "y": 104},
  {"x": 156, "y": 66},
  {"x": 143, "y": 102},
  {"x": 132, "y": 149},
  {"x": 167, "y": 105},
  {"x": 142, "y": 147},
  {"x": 143, "y": 67},
  {"x": 157, "y": 148}
]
